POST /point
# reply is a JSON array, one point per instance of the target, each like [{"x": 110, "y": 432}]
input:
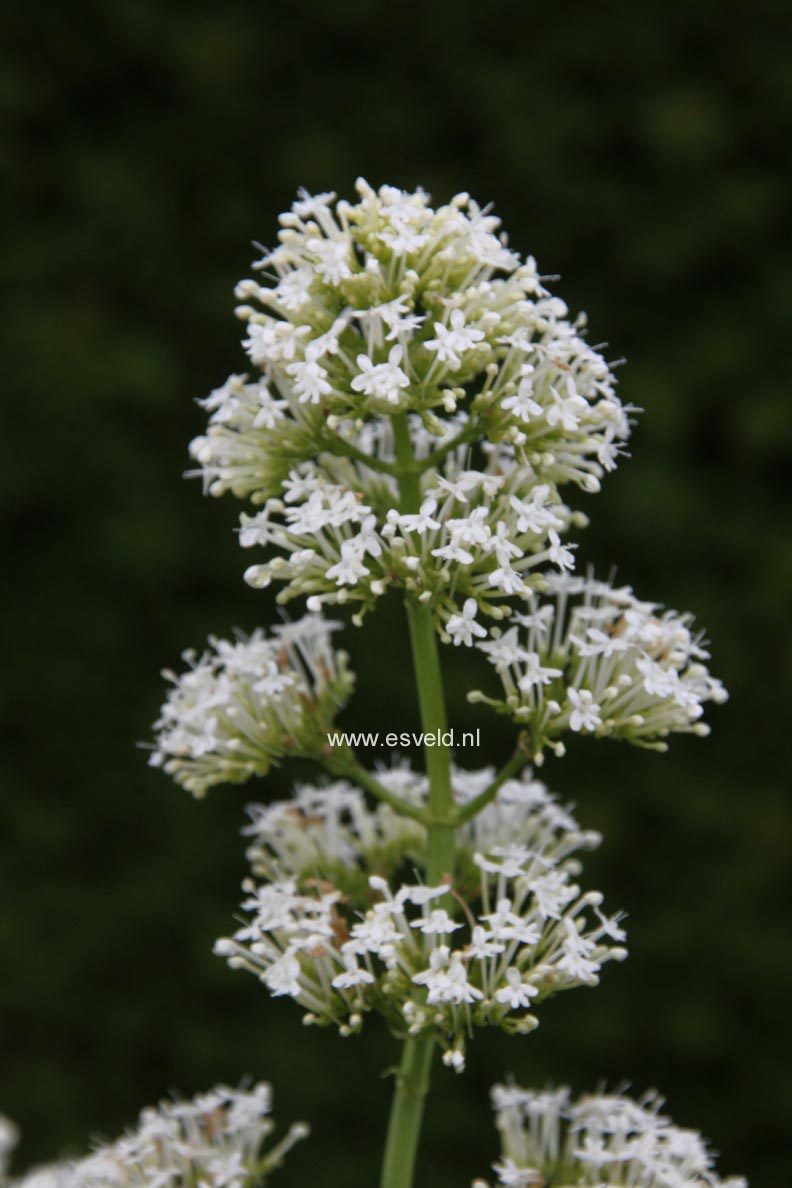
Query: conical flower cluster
[
  {"x": 216, "y": 1140},
  {"x": 344, "y": 925},
  {"x": 599, "y": 1141},
  {"x": 387, "y": 334}
]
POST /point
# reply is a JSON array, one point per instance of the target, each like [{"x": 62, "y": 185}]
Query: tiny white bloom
[
  {"x": 585, "y": 714},
  {"x": 384, "y": 381},
  {"x": 463, "y": 628}
]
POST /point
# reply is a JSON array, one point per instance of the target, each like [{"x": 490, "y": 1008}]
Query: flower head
[
  {"x": 599, "y": 1139},
  {"x": 392, "y": 308},
  {"x": 343, "y": 927},
  {"x": 244, "y": 704},
  {"x": 217, "y": 1139},
  {"x": 592, "y": 659}
]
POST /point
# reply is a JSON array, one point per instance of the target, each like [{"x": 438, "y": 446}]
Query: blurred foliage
[{"x": 641, "y": 151}]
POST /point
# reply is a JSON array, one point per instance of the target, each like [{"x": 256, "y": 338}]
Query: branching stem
[
  {"x": 346, "y": 764},
  {"x": 509, "y": 769},
  {"x": 334, "y": 444},
  {"x": 470, "y": 433}
]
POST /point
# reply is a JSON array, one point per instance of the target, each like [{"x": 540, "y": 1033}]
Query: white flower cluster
[
  {"x": 328, "y": 832},
  {"x": 476, "y": 538},
  {"x": 216, "y": 1140},
  {"x": 245, "y": 704},
  {"x": 343, "y": 929},
  {"x": 392, "y": 312},
  {"x": 601, "y": 1139},
  {"x": 593, "y": 659}
]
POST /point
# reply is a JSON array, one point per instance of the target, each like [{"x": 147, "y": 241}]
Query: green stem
[
  {"x": 509, "y": 769},
  {"x": 333, "y": 444},
  {"x": 404, "y": 1128},
  {"x": 412, "y": 1082},
  {"x": 469, "y": 433},
  {"x": 346, "y": 764},
  {"x": 431, "y": 701}
]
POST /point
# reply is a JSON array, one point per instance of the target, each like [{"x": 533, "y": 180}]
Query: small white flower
[
  {"x": 350, "y": 569},
  {"x": 560, "y": 554},
  {"x": 453, "y": 341},
  {"x": 464, "y": 628},
  {"x": 332, "y": 258},
  {"x": 353, "y": 975},
  {"x": 566, "y": 411},
  {"x": 310, "y": 381},
  {"x": 293, "y": 290},
  {"x": 585, "y": 714},
  {"x": 383, "y": 381},
  {"x": 421, "y": 522},
  {"x": 534, "y": 673},
  {"x": 436, "y": 923},
  {"x": 503, "y": 649}
]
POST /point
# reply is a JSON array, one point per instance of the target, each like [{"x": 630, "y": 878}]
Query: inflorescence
[
  {"x": 600, "y": 1139},
  {"x": 593, "y": 659},
  {"x": 245, "y": 704},
  {"x": 216, "y": 1140},
  {"x": 417, "y": 400},
  {"x": 344, "y": 926},
  {"x": 391, "y": 337}
]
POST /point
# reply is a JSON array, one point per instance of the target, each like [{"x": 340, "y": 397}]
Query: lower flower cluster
[
  {"x": 597, "y": 1141},
  {"x": 216, "y": 1140},
  {"x": 345, "y": 927}
]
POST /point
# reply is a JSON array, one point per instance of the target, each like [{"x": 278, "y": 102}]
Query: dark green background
[{"x": 642, "y": 152}]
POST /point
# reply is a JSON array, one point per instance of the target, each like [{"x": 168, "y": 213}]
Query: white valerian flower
[
  {"x": 384, "y": 381},
  {"x": 391, "y": 307},
  {"x": 335, "y": 927},
  {"x": 600, "y": 1139},
  {"x": 217, "y": 1139},
  {"x": 454, "y": 340},
  {"x": 477, "y": 537},
  {"x": 463, "y": 628},
  {"x": 593, "y": 659},
  {"x": 246, "y": 703}
]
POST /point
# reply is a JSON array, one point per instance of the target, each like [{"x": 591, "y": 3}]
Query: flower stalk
[{"x": 412, "y": 1081}]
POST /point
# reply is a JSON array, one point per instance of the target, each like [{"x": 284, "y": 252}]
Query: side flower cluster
[
  {"x": 217, "y": 1140},
  {"x": 390, "y": 314},
  {"x": 547, "y": 1138},
  {"x": 246, "y": 703},
  {"x": 593, "y": 659},
  {"x": 339, "y": 936}
]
